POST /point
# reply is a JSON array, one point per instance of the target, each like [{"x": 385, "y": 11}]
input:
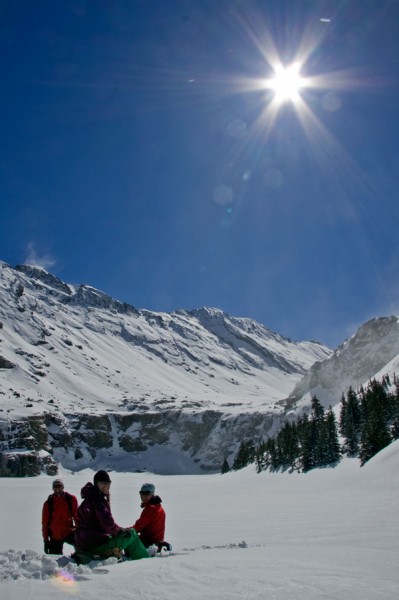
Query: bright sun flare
[{"x": 287, "y": 82}]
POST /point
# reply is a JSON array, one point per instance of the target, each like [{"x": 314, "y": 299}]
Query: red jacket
[
  {"x": 60, "y": 521},
  {"x": 151, "y": 523}
]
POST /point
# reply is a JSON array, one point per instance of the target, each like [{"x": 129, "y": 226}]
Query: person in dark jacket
[
  {"x": 96, "y": 531},
  {"x": 59, "y": 516},
  {"x": 151, "y": 524}
]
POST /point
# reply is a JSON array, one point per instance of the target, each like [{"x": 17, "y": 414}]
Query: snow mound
[
  {"x": 27, "y": 564},
  {"x": 384, "y": 466}
]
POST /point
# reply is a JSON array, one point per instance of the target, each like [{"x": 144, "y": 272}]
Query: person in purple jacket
[{"x": 96, "y": 531}]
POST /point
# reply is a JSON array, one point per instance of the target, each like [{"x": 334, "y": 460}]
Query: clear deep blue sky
[{"x": 139, "y": 155}]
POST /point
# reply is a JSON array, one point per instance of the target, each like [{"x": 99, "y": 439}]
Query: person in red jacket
[
  {"x": 151, "y": 524},
  {"x": 59, "y": 517}
]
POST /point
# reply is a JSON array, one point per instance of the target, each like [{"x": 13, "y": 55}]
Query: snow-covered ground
[{"x": 331, "y": 533}]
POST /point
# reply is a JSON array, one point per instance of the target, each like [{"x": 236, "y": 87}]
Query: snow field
[{"x": 331, "y": 533}]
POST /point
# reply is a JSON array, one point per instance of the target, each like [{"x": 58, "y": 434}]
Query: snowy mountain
[
  {"x": 371, "y": 353},
  {"x": 88, "y": 380}
]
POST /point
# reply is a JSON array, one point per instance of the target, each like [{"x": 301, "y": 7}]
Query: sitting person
[
  {"x": 151, "y": 524},
  {"x": 96, "y": 531}
]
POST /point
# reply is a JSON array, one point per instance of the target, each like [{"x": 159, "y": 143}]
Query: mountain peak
[
  {"x": 88, "y": 296},
  {"x": 371, "y": 352},
  {"x": 40, "y": 274}
]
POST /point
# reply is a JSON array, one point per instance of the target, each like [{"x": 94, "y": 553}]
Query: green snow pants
[{"x": 128, "y": 541}]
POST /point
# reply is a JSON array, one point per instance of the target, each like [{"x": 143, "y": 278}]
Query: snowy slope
[
  {"x": 330, "y": 533},
  {"x": 80, "y": 350},
  {"x": 373, "y": 351}
]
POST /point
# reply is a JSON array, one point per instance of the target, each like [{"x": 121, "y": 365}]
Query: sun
[{"x": 287, "y": 82}]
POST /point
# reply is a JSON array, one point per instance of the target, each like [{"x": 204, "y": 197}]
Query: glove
[{"x": 47, "y": 547}]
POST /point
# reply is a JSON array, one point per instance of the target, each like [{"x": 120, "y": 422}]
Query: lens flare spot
[
  {"x": 274, "y": 178},
  {"x": 237, "y": 128},
  {"x": 65, "y": 580},
  {"x": 223, "y": 195},
  {"x": 331, "y": 102}
]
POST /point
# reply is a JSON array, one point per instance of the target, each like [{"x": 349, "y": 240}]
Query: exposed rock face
[
  {"x": 26, "y": 464},
  {"x": 203, "y": 440},
  {"x": 42, "y": 276},
  {"x": 90, "y": 297},
  {"x": 6, "y": 364},
  {"x": 24, "y": 448}
]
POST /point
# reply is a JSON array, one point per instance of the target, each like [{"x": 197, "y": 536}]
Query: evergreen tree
[
  {"x": 225, "y": 466},
  {"x": 245, "y": 455},
  {"x": 288, "y": 445},
  {"x": 350, "y": 422},
  {"x": 261, "y": 457},
  {"x": 272, "y": 453},
  {"x": 317, "y": 436},
  {"x": 375, "y": 433},
  {"x": 395, "y": 412},
  {"x": 317, "y": 411},
  {"x": 343, "y": 414},
  {"x": 332, "y": 449},
  {"x": 306, "y": 445}
]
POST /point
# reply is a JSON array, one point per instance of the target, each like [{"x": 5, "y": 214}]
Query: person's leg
[
  {"x": 55, "y": 546},
  {"x": 83, "y": 558},
  {"x": 70, "y": 539},
  {"x": 147, "y": 542},
  {"x": 128, "y": 541},
  {"x": 136, "y": 549}
]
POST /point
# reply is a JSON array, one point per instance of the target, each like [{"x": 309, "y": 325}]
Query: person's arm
[
  {"x": 75, "y": 510},
  {"x": 105, "y": 519},
  {"x": 45, "y": 521},
  {"x": 46, "y": 527}
]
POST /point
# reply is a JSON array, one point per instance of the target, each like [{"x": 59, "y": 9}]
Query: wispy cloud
[{"x": 34, "y": 258}]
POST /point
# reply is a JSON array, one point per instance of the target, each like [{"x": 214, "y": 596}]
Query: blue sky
[{"x": 143, "y": 153}]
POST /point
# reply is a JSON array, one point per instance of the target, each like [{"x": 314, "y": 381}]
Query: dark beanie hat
[{"x": 101, "y": 476}]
